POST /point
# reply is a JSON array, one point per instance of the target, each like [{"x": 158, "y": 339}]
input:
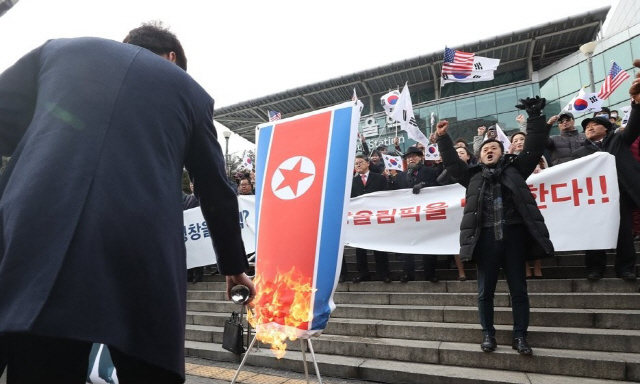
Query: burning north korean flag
[{"x": 303, "y": 179}]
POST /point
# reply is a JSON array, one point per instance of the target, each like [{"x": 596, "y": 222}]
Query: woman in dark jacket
[{"x": 501, "y": 225}]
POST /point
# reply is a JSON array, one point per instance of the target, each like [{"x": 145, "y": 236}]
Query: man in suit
[
  {"x": 365, "y": 182},
  {"x": 91, "y": 248}
]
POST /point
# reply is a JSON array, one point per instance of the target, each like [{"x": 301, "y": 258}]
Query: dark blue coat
[{"x": 91, "y": 224}]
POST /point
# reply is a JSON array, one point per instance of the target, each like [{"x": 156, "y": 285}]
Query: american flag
[
  {"x": 457, "y": 62},
  {"x": 615, "y": 77},
  {"x": 274, "y": 115}
]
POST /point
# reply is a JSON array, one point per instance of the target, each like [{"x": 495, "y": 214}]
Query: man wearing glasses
[{"x": 562, "y": 146}]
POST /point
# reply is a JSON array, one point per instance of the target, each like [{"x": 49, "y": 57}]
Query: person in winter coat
[
  {"x": 501, "y": 225},
  {"x": 601, "y": 137}
]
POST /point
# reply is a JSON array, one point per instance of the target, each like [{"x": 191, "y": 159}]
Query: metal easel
[{"x": 304, "y": 359}]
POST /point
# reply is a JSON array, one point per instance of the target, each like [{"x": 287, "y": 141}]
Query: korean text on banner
[
  {"x": 580, "y": 195},
  {"x": 196, "y": 234},
  {"x": 304, "y": 167}
]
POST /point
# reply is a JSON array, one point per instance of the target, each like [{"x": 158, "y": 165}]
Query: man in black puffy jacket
[{"x": 501, "y": 225}]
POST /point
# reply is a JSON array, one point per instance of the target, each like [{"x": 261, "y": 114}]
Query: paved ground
[{"x": 200, "y": 371}]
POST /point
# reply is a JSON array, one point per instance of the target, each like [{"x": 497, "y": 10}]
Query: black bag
[{"x": 232, "y": 335}]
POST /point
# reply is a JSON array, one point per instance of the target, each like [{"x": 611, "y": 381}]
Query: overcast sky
[{"x": 241, "y": 50}]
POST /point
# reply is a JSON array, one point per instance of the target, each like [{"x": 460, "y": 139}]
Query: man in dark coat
[
  {"x": 366, "y": 181},
  {"x": 91, "y": 246},
  {"x": 501, "y": 225},
  {"x": 562, "y": 146},
  {"x": 416, "y": 177},
  {"x": 601, "y": 137}
]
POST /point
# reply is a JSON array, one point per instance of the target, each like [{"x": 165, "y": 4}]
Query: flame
[{"x": 280, "y": 307}]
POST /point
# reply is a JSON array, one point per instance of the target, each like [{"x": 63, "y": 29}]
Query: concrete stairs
[{"x": 422, "y": 332}]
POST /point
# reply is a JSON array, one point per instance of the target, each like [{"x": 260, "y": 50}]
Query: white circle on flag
[{"x": 293, "y": 178}]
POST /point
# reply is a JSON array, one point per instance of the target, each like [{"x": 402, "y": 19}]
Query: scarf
[{"x": 491, "y": 176}]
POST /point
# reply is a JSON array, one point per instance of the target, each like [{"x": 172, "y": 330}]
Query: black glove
[
  {"x": 417, "y": 187},
  {"x": 533, "y": 105}
]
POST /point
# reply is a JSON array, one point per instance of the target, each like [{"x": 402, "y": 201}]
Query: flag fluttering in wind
[
  {"x": 274, "y": 115},
  {"x": 614, "y": 78},
  {"x": 500, "y": 136},
  {"x": 357, "y": 101},
  {"x": 584, "y": 103},
  {"x": 247, "y": 163},
  {"x": 464, "y": 67},
  {"x": 392, "y": 162},
  {"x": 403, "y": 112},
  {"x": 389, "y": 101}
]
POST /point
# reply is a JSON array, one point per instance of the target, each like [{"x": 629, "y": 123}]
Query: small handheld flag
[
  {"x": 392, "y": 162},
  {"x": 274, "y": 115},
  {"x": 614, "y": 78}
]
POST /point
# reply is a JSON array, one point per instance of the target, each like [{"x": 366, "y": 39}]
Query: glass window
[
  {"x": 486, "y": 104},
  {"x": 524, "y": 91},
  {"x": 424, "y": 113},
  {"x": 507, "y": 121},
  {"x": 452, "y": 89},
  {"x": 621, "y": 54},
  {"x": 536, "y": 89},
  {"x": 584, "y": 73},
  {"x": 549, "y": 88},
  {"x": 599, "y": 70},
  {"x": 569, "y": 81},
  {"x": 447, "y": 111},
  {"x": 466, "y": 108},
  {"x": 506, "y": 100},
  {"x": 635, "y": 46},
  {"x": 553, "y": 107}
]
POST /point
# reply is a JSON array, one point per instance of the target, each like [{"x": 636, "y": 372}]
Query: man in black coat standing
[
  {"x": 91, "y": 246},
  {"x": 601, "y": 137},
  {"x": 501, "y": 225},
  {"x": 365, "y": 182},
  {"x": 416, "y": 177}
]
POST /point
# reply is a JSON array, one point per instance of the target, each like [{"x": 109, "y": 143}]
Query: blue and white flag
[
  {"x": 584, "y": 103},
  {"x": 403, "y": 113},
  {"x": 392, "y": 162}
]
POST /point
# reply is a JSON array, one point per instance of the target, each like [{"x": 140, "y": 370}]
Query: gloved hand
[
  {"x": 417, "y": 187},
  {"x": 533, "y": 105}
]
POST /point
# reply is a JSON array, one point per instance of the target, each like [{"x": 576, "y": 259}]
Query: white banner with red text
[
  {"x": 196, "y": 234},
  {"x": 579, "y": 201}
]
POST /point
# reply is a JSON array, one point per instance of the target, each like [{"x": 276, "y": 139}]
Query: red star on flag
[{"x": 293, "y": 177}]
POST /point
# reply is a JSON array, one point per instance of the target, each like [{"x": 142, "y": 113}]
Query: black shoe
[
  {"x": 361, "y": 278},
  {"x": 406, "y": 278},
  {"x": 628, "y": 276},
  {"x": 432, "y": 279},
  {"x": 386, "y": 279},
  {"x": 488, "y": 344},
  {"x": 594, "y": 276},
  {"x": 520, "y": 344},
  {"x": 342, "y": 279}
]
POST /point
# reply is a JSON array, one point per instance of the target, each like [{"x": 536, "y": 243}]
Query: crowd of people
[
  {"x": 568, "y": 144},
  {"x": 502, "y": 227}
]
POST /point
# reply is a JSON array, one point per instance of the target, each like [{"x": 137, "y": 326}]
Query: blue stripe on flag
[
  {"x": 332, "y": 217},
  {"x": 265, "y": 134}
]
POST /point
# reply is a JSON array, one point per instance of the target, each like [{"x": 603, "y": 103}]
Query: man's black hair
[{"x": 159, "y": 40}]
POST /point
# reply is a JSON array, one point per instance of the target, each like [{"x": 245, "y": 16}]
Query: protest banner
[{"x": 580, "y": 196}]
